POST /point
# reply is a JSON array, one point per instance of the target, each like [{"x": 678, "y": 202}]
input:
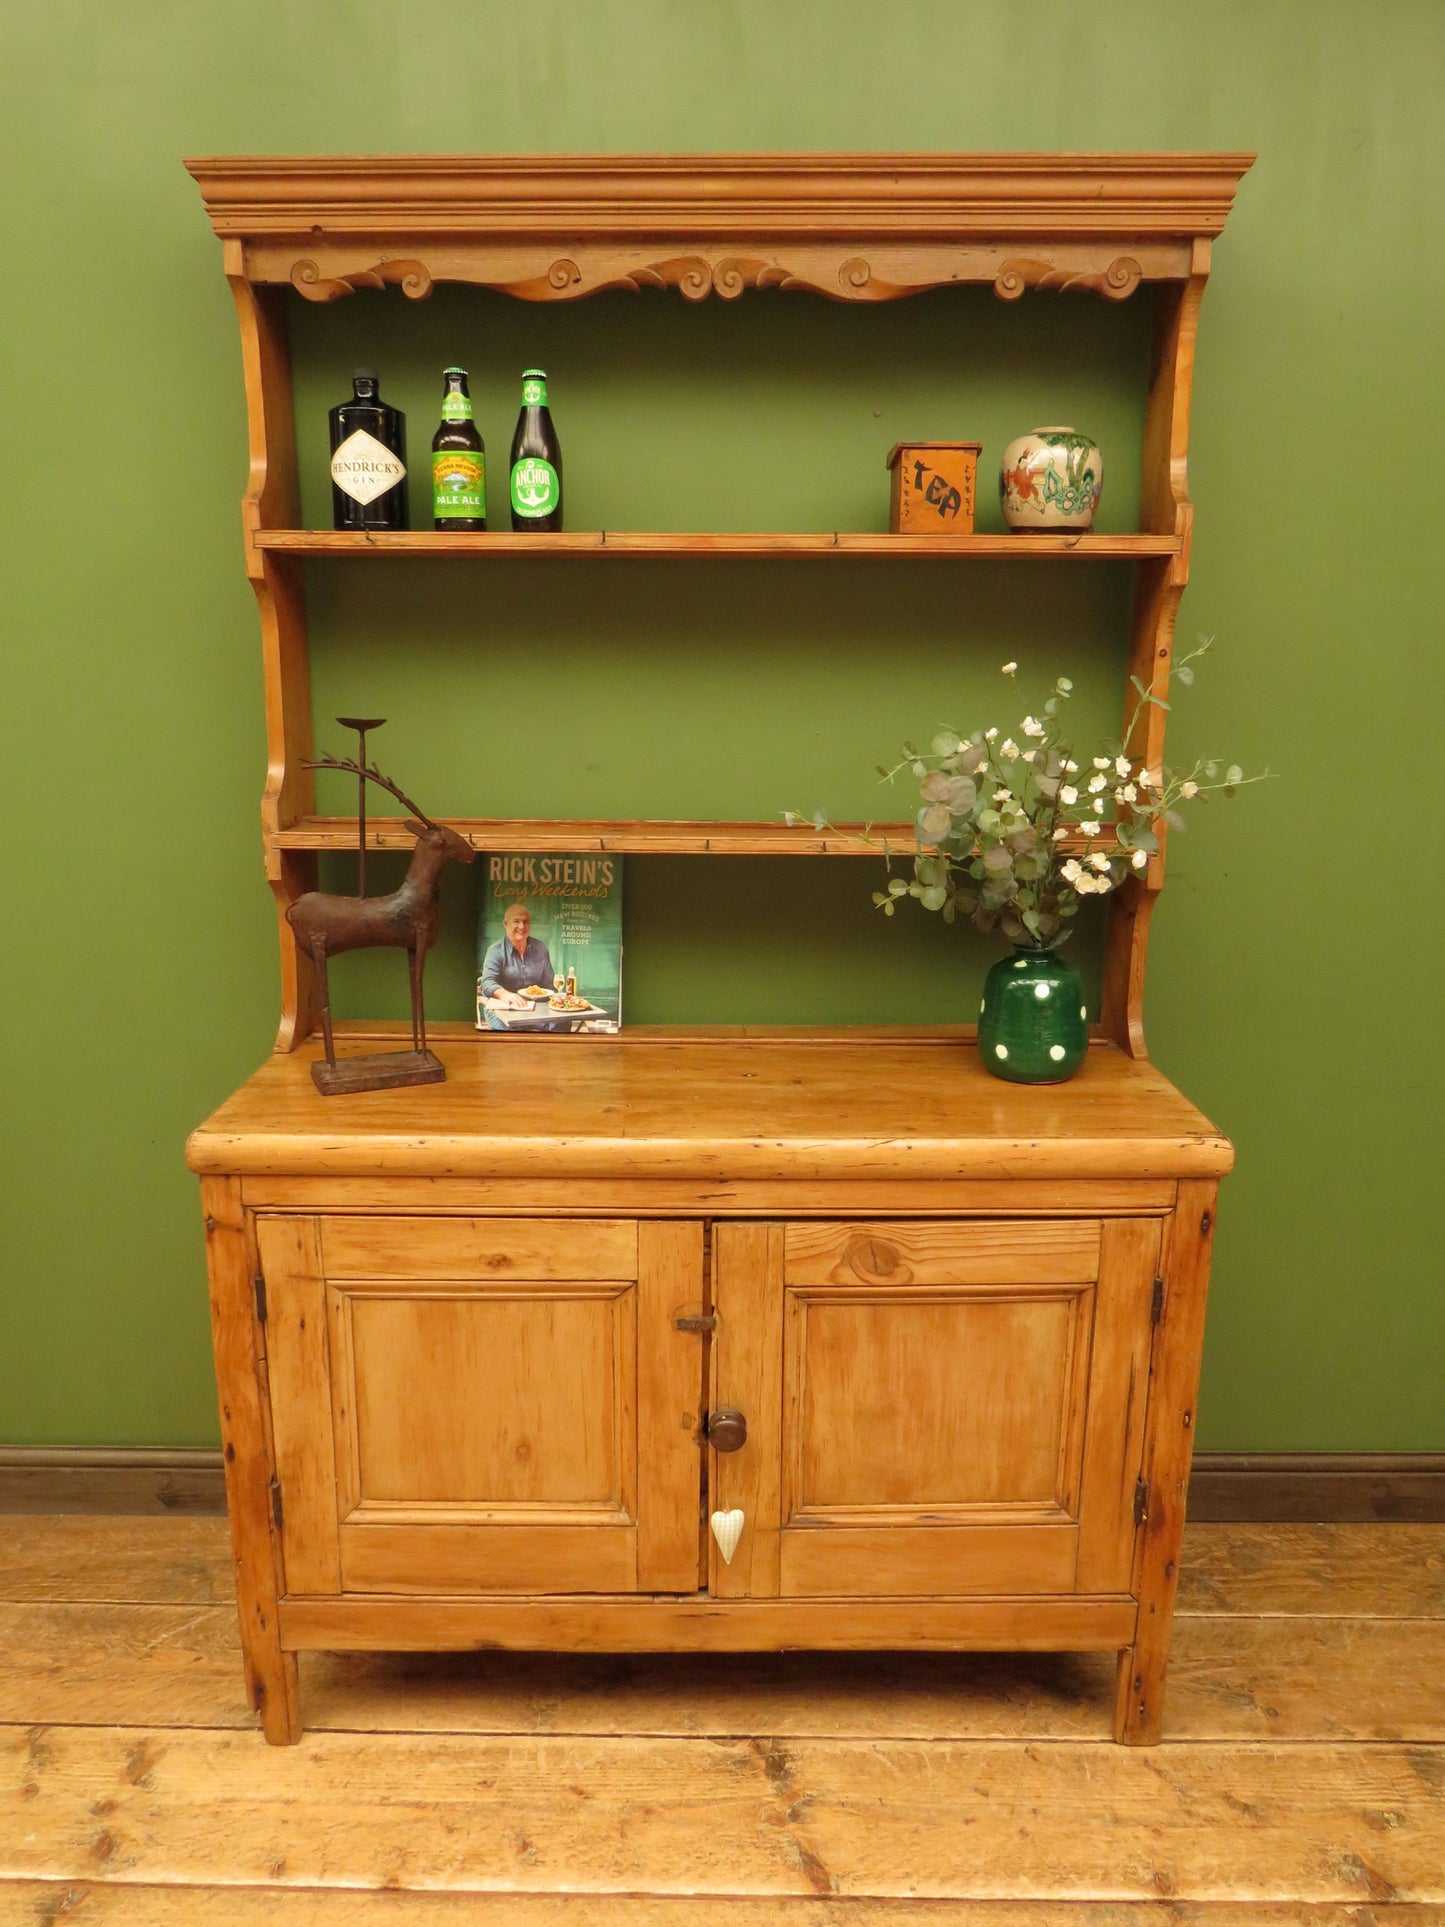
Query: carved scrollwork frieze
[
  {"x": 821, "y": 269},
  {"x": 410, "y": 276},
  {"x": 1116, "y": 282}
]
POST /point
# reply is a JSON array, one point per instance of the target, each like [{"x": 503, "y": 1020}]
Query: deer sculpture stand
[{"x": 407, "y": 919}]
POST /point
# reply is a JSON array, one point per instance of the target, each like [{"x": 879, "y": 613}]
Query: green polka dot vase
[{"x": 1032, "y": 1026}]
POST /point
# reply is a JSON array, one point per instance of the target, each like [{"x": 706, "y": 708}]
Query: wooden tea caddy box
[{"x": 491, "y": 1352}]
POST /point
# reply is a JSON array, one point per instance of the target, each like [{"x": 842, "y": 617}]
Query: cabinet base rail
[{"x": 696, "y": 1624}]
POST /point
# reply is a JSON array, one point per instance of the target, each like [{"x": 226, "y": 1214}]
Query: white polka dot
[
  {"x": 1083, "y": 1011},
  {"x": 1000, "y": 1050},
  {"x": 1056, "y": 1051},
  {"x": 1021, "y": 963},
  {"x": 1041, "y": 990}
]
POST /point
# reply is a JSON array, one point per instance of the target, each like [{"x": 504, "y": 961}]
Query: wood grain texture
[
  {"x": 719, "y": 1624},
  {"x": 271, "y": 498},
  {"x": 1292, "y": 1571},
  {"x": 1118, "y": 1376},
  {"x": 640, "y": 542},
  {"x": 1231, "y": 1678},
  {"x": 1164, "y": 506},
  {"x": 670, "y": 1399},
  {"x": 1368, "y": 1571},
  {"x": 299, "y": 1376},
  {"x": 715, "y": 1197},
  {"x": 955, "y": 1404},
  {"x": 170, "y": 1561},
  {"x": 34, "y": 1903},
  {"x": 246, "y": 1449},
  {"x": 746, "y": 1358},
  {"x": 854, "y": 1253},
  {"x": 489, "y": 1248},
  {"x": 946, "y": 1561},
  {"x": 717, "y": 197},
  {"x": 1300, "y": 1487},
  {"x": 429, "y": 1559},
  {"x": 626, "y": 836},
  {"x": 885, "y": 1818},
  {"x": 1168, "y": 1446},
  {"x": 676, "y": 1109}
]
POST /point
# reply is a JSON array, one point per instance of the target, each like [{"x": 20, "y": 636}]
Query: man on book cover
[{"x": 517, "y": 960}]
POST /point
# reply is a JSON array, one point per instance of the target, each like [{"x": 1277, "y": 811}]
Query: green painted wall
[{"x": 1292, "y": 989}]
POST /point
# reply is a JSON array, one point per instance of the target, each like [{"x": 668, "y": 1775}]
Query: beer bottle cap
[
  {"x": 364, "y": 374},
  {"x": 454, "y": 371},
  {"x": 534, "y": 374}
]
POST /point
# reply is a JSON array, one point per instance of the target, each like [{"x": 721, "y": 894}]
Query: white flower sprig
[{"x": 995, "y": 823}]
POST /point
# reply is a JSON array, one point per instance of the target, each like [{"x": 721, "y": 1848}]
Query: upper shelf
[
  {"x": 854, "y": 227},
  {"x": 640, "y": 542}
]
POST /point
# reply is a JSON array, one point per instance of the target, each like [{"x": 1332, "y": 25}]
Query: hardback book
[{"x": 549, "y": 944}]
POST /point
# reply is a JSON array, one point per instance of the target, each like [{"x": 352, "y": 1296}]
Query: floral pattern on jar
[{"x": 1051, "y": 479}]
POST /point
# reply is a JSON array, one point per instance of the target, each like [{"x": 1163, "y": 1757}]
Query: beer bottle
[
  {"x": 368, "y": 459},
  {"x": 536, "y": 460},
  {"x": 458, "y": 460}
]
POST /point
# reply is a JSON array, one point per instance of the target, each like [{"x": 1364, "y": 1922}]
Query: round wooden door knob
[{"x": 726, "y": 1429}]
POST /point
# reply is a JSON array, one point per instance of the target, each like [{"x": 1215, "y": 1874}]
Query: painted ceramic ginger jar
[
  {"x": 1051, "y": 479},
  {"x": 1032, "y": 1027}
]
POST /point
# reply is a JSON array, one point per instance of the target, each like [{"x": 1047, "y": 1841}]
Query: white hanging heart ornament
[{"x": 727, "y": 1529}]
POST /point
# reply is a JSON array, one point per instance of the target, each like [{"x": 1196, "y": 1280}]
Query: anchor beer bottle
[
  {"x": 536, "y": 461},
  {"x": 368, "y": 459},
  {"x": 458, "y": 461}
]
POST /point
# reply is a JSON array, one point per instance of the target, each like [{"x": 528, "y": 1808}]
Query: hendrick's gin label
[{"x": 368, "y": 459}]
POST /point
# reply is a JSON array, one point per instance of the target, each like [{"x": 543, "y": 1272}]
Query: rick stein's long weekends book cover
[{"x": 549, "y": 944}]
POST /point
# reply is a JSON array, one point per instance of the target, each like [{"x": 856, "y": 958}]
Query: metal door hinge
[
  {"x": 1156, "y": 1304},
  {"x": 260, "y": 1286},
  {"x": 696, "y": 1322},
  {"x": 1141, "y": 1501},
  {"x": 277, "y": 1512}
]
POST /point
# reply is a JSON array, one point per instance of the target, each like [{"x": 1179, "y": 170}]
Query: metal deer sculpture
[{"x": 407, "y": 919}]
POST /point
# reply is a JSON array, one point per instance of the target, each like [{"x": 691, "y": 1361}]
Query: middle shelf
[{"x": 639, "y": 837}]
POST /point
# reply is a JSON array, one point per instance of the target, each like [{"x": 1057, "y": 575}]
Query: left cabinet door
[{"x": 484, "y": 1404}]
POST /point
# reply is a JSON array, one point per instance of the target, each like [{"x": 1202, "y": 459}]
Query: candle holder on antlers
[{"x": 406, "y": 919}]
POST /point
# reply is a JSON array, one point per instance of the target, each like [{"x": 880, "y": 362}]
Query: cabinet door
[
  {"x": 932, "y": 1408},
  {"x": 474, "y": 1404}
]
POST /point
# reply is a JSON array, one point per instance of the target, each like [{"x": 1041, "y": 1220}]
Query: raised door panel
[{"x": 490, "y": 1431}]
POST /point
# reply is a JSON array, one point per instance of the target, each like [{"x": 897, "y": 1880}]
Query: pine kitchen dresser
[{"x": 492, "y": 1352}]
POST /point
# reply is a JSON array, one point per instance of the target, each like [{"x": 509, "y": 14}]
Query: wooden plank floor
[{"x": 1303, "y": 1779}]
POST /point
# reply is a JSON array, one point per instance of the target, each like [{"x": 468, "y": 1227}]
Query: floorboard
[
  {"x": 26, "y": 1903},
  {"x": 1303, "y": 1779},
  {"x": 867, "y": 1818},
  {"x": 1361, "y": 1571},
  {"x": 1230, "y": 1679}
]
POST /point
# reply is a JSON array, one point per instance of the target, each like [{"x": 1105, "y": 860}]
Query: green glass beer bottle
[
  {"x": 458, "y": 460},
  {"x": 536, "y": 461}
]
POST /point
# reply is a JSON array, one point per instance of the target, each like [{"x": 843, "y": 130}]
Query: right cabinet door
[{"x": 933, "y": 1408}]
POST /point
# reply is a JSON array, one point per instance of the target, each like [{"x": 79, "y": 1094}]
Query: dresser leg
[
  {"x": 1139, "y": 1695},
  {"x": 1168, "y": 1451},
  {"x": 271, "y": 1674}
]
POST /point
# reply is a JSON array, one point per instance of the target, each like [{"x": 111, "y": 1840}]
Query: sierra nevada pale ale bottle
[
  {"x": 368, "y": 459},
  {"x": 536, "y": 460},
  {"x": 458, "y": 461}
]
